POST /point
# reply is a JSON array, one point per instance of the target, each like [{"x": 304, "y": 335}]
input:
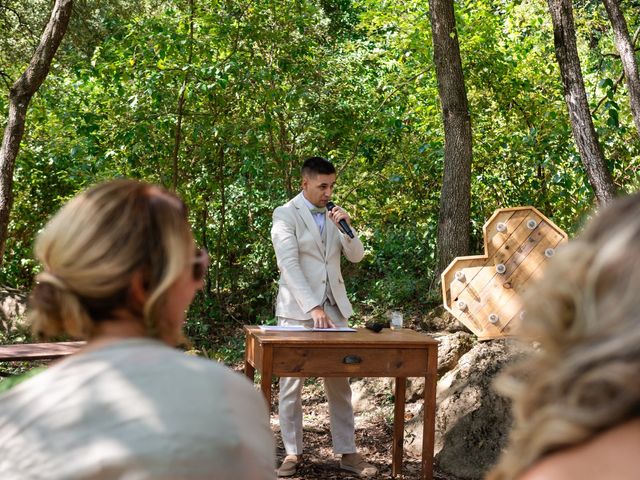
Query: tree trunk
[
  {"x": 20, "y": 95},
  {"x": 181, "y": 101},
  {"x": 204, "y": 220},
  {"x": 221, "y": 229},
  {"x": 584, "y": 133},
  {"x": 455, "y": 199},
  {"x": 627, "y": 56}
]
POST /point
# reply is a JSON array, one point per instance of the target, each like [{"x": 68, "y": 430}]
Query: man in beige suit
[{"x": 308, "y": 242}]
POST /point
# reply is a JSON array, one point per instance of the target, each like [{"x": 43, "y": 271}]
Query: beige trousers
[{"x": 338, "y": 393}]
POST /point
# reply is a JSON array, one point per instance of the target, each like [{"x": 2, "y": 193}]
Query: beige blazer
[{"x": 305, "y": 264}]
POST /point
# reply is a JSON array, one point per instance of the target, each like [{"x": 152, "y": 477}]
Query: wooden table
[
  {"x": 390, "y": 353},
  {"x": 38, "y": 351}
]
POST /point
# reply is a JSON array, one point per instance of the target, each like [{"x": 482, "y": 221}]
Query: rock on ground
[
  {"x": 472, "y": 421},
  {"x": 451, "y": 348},
  {"x": 439, "y": 320},
  {"x": 12, "y": 309}
]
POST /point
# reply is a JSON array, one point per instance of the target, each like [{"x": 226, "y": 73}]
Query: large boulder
[
  {"x": 472, "y": 421},
  {"x": 13, "y": 305},
  {"x": 369, "y": 393},
  {"x": 451, "y": 347},
  {"x": 439, "y": 320}
]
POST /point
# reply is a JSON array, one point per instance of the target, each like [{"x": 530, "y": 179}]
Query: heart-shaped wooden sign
[{"x": 483, "y": 291}]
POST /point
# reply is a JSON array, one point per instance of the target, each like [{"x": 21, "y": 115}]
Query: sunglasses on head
[{"x": 200, "y": 265}]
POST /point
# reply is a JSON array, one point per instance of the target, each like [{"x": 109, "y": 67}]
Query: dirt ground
[{"x": 374, "y": 431}]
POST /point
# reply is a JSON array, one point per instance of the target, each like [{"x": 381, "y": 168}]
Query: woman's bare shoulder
[{"x": 612, "y": 454}]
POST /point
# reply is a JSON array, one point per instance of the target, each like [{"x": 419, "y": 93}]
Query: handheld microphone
[{"x": 343, "y": 223}]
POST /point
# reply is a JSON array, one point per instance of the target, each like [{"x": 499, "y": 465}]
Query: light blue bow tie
[{"x": 317, "y": 210}]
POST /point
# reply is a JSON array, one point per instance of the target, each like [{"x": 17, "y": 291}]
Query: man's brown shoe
[
  {"x": 354, "y": 462},
  {"x": 289, "y": 465}
]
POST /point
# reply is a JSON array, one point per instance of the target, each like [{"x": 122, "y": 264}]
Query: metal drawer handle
[{"x": 351, "y": 359}]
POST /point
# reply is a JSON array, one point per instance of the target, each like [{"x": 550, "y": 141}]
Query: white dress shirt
[{"x": 319, "y": 218}]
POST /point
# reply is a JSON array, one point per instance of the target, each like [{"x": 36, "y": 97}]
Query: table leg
[
  {"x": 429, "y": 425},
  {"x": 267, "y": 374},
  {"x": 398, "y": 425},
  {"x": 249, "y": 370}
]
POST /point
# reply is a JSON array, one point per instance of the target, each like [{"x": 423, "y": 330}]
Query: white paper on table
[{"x": 300, "y": 328}]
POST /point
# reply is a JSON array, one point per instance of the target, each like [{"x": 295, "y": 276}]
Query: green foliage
[
  {"x": 18, "y": 376},
  {"x": 268, "y": 83},
  {"x": 229, "y": 350}
]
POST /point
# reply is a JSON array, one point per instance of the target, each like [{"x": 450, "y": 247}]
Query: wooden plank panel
[
  {"x": 519, "y": 250},
  {"x": 471, "y": 266},
  {"x": 469, "y": 317},
  {"x": 494, "y": 239},
  {"x": 457, "y": 286},
  {"x": 524, "y": 263},
  {"x": 515, "y": 241},
  {"x": 502, "y": 298},
  {"x": 499, "y": 296},
  {"x": 535, "y": 272},
  {"x": 543, "y": 237},
  {"x": 462, "y": 314},
  {"x": 448, "y": 276},
  {"x": 480, "y": 282},
  {"x": 479, "y": 275}
]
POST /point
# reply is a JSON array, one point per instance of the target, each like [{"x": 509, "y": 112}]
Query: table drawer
[{"x": 352, "y": 362}]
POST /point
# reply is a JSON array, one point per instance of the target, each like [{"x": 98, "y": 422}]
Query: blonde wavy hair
[
  {"x": 93, "y": 246},
  {"x": 585, "y": 316}
]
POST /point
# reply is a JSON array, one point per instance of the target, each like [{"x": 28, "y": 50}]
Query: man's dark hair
[{"x": 313, "y": 166}]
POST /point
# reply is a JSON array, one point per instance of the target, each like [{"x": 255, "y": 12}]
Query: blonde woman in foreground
[
  {"x": 576, "y": 401},
  {"x": 120, "y": 269}
]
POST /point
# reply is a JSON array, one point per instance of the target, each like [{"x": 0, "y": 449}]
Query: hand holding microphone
[{"x": 342, "y": 222}]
